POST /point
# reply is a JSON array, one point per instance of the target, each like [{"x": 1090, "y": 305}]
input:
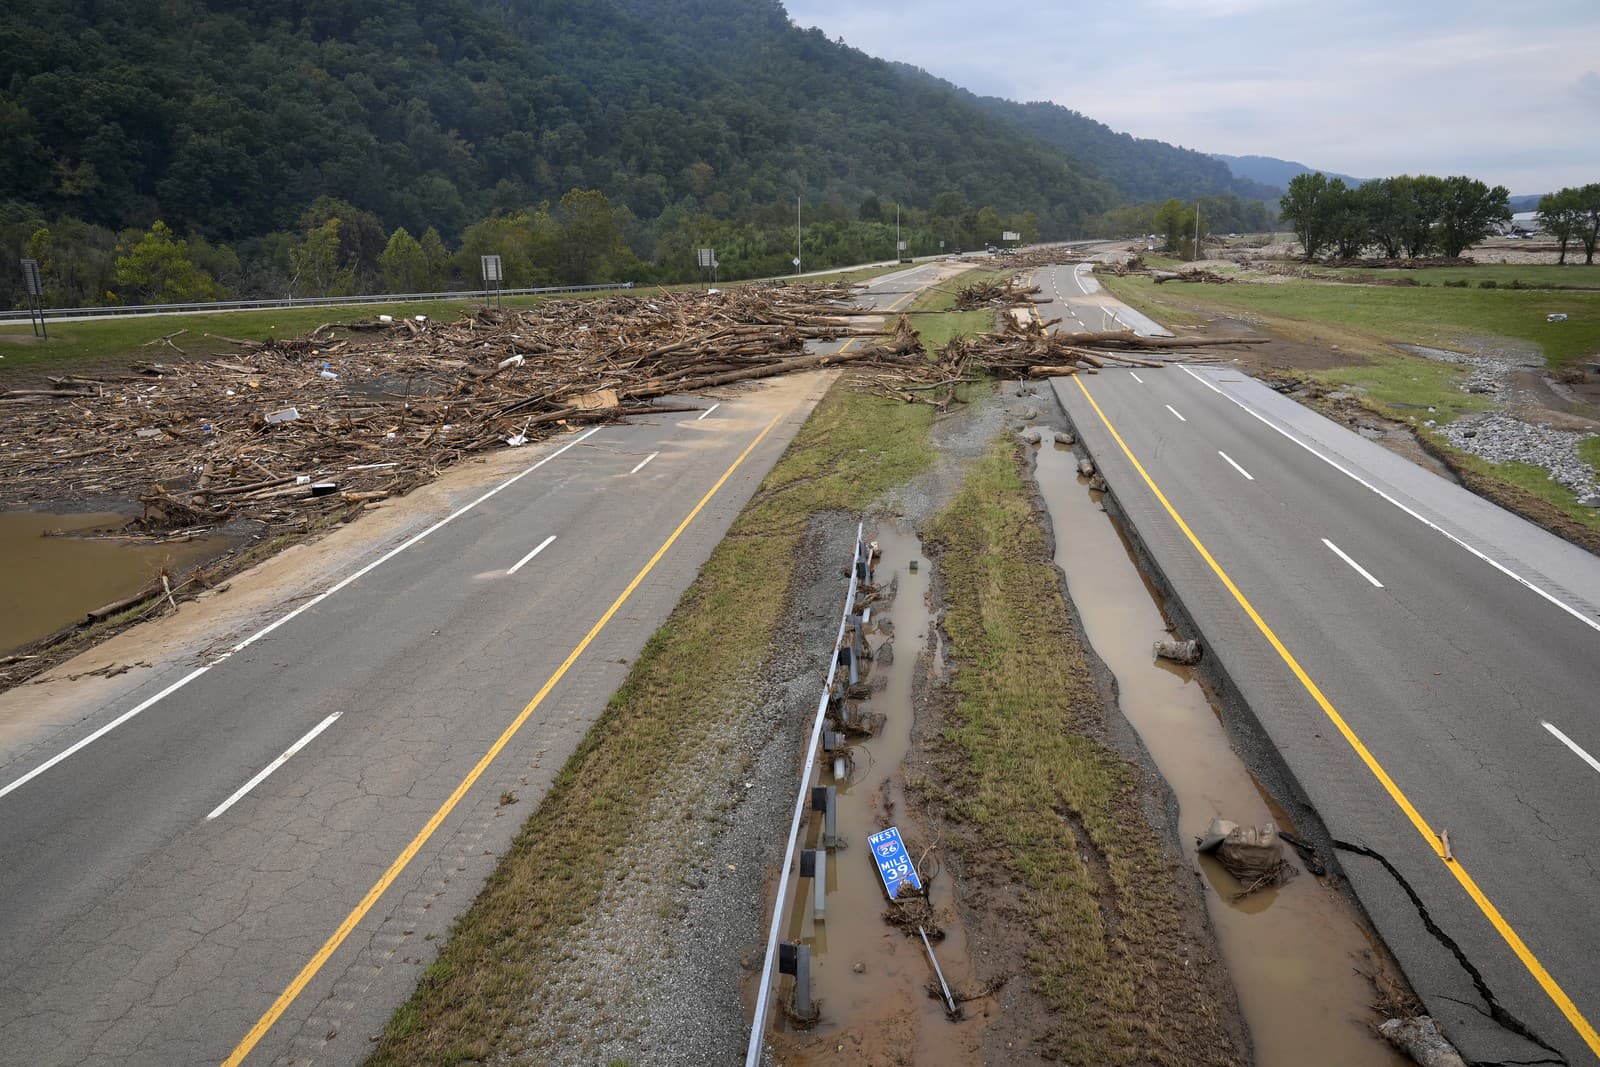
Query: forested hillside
[{"x": 286, "y": 145}]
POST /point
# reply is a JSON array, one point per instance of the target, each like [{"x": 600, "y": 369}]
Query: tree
[
  {"x": 438, "y": 260},
  {"x": 158, "y": 269},
  {"x": 1561, "y": 215},
  {"x": 1588, "y": 200},
  {"x": 1468, "y": 212},
  {"x": 871, "y": 209},
  {"x": 590, "y": 244},
  {"x": 404, "y": 264},
  {"x": 1347, "y": 216},
  {"x": 1306, "y": 206},
  {"x": 1390, "y": 205},
  {"x": 1425, "y": 202},
  {"x": 314, "y": 263}
]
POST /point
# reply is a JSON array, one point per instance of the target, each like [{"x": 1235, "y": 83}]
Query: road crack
[{"x": 1493, "y": 1009}]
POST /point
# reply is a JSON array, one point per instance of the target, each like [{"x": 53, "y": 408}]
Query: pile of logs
[
  {"x": 987, "y": 294},
  {"x": 282, "y": 430},
  {"x": 1028, "y": 349}
]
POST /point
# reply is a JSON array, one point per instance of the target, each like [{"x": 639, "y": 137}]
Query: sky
[{"x": 1508, "y": 92}]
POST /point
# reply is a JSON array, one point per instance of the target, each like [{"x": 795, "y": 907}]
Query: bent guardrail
[{"x": 794, "y": 959}]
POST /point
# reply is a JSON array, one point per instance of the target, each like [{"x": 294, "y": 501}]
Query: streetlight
[{"x": 797, "y": 233}]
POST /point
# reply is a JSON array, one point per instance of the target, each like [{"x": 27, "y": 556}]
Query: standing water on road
[{"x": 1295, "y": 953}]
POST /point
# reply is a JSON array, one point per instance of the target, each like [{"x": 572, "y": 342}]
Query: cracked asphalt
[{"x": 1450, "y": 664}]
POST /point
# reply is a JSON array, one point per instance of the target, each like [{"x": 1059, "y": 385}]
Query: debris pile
[
  {"x": 987, "y": 294},
  {"x": 285, "y": 429},
  {"x": 1047, "y": 256}
]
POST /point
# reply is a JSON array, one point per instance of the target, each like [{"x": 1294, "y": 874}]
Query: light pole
[
  {"x": 898, "y": 247},
  {"x": 797, "y": 233}
]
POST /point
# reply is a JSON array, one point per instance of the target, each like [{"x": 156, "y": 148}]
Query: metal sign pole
[{"x": 30, "y": 279}]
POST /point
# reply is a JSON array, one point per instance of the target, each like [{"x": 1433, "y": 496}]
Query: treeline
[
  {"x": 338, "y": 249},
  {"x": 1173, "y": 219},
  {"x": 1573, "y": 214},
  {"x": 1406, "y": 217}
]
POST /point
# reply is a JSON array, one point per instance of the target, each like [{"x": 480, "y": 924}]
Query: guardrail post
[
  {"x": 795, "y": 959},
  {"x": 814, "y": 865},
  {"x": 825, "y": 798}
]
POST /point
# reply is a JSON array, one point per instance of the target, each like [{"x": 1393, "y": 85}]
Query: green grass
[
  {"x": 1428, "y": 315},
  {"x": 1405, "y": 387},
  {"x": 937, "y": 330},
  {"x": 1499, "y": 273},
  {"x": 1034, "y": 789},
  {"x": 1589, "y": 451},
  {"x": 692, "y": 683}
]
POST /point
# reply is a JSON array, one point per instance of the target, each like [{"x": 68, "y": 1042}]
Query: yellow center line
[
  {"x": 887, "y": 311},
  {"x": 315, "y": 964},
  {"x": 1552, "y": 989}
]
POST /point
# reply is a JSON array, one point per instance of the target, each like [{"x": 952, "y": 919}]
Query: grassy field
[
  {"x": 938, "y": 330},
  {"x": 693, "y": 678},
  {"x": 1499, "y": 273},
  {"x": 1045, "y": 798},
  {"x": 1415, "y": 315},
  {"x": 1409, "y": 388}
]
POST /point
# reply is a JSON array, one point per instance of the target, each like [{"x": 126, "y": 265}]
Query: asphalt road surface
[
  {"x": 1076, "y": 298},
  {"x": 245, "y": 851},
  {"x": 1424, "y": 663}
]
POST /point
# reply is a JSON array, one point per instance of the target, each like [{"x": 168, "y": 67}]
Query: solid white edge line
[
  {"x": 264, "y": 631},
  {"x": 1358, "y": 567},
  {"x": 288, "y": 754},
  {"x": 524, "y": 560},
  {"x": 708, "y": 411},
  {"x": 643, "y": 461},
  {"x": 1435, "y": 527},
  {"x": 1570, "y": 743},
  {"x": 1135, "y": 377},
  {"x": 1236, "y": 466},
  {"x": 1175, "y": 412}
]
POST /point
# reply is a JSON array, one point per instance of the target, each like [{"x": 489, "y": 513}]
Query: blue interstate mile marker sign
[{"x": 894, "y": 865}]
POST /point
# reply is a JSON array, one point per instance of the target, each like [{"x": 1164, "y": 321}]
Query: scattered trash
[
  {"x": 327, "y": 373},
  {"x": 385, "y": 318},
  {"x": 323, "y": 488},
  {"x": 1556, "y": 316},
  {"x": 511, "y": 361},
  {"x": 275, "y": 418},
  {"x": 517, "y": 440}
]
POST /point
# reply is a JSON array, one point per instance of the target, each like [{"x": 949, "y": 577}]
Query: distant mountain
[
  {"x": 1138, "y": 168},
  {"x": 1275, "y": 172},
  {"x": 1529, "y": 202}
]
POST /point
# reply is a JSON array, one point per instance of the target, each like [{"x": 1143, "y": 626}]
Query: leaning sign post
[
  {"x": 492, "y": 273},
  {"x": 30, "y": 280}
]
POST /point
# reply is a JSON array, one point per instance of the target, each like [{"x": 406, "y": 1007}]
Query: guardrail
[
  {"x": 819, "y": 799},
  {"x": 301, "y": 301}
]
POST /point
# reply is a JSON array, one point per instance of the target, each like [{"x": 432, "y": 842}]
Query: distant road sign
[
  {"x": 894, "y": 865},
  {"x": 491, "y": 268},
  {"x": 1011, "y": 235},
  {"x": 902, "y": 246},
  {"x": 30, "y": 277},
  {"x": 706, "y": 257},
  {"x": 795, "y": 261}
]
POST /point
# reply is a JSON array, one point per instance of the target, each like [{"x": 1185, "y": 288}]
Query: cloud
[
  {"x": 1587, "y": 90},
  {"x": 1367, "y": 87}
]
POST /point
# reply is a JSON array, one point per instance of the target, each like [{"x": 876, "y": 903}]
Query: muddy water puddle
[
  {"x": 870, "y": 979},
  {"x": 1294, "y": 953},
  {"x": 47, "y": 582}
]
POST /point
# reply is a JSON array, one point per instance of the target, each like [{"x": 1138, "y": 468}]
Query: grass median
[
  {"x": 693, "y": 676},
  {"x": 1035, "y": 788}
]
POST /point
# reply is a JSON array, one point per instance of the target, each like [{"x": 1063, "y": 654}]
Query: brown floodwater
[
  {"x": 1293, "y": 952},
  {"x": 48, "y": 582},
  {"x": 884, "y": 1009}
]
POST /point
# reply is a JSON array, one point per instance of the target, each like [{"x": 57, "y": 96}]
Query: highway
[
  {"x": 1076, "y": 298},
  {"x": 1420, "y": 663},
  {"x": 250, "y": 849}
]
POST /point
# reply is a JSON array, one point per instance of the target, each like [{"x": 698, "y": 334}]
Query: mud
[
  {"x": 48, "y": 582},
  {"x": 1299, "y": 956},
  {"x": 871, "y": 978}
]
